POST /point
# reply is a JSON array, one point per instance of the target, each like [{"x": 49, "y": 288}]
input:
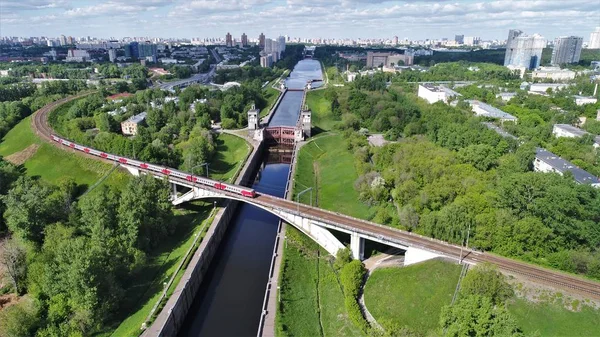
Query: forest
[
  {"x": 448, "y": 176},
  {"x": 73, "y": 257}
]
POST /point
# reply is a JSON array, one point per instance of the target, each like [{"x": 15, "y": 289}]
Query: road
[{"x": 541, "y": 275}]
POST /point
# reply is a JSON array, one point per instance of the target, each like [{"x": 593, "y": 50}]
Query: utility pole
[{"x": 298, "y": 198}]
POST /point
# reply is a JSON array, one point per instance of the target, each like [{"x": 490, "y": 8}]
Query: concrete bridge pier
[{"x": 357, "y": 246}]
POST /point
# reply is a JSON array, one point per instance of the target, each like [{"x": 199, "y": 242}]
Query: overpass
[{"x": 316, "y": 223}]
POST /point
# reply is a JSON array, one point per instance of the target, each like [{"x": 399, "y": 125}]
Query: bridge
[{"x": 317, "y": 223}]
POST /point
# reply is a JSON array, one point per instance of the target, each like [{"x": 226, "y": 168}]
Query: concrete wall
[{"x": 172, "y": 316}]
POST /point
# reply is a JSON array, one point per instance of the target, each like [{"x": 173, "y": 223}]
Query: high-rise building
[
  {"x": 281, "y": 41},
  {"x": 567, "y": 49},
  {"x": 244, "y": 40},
  {"x": 523, "y": 51},
  {"x": 472, "y": 40},
  {"x": 395, "y": 40},
  {"x": 112, "y": 55},
  {"x": 268, "y": 46},
  {"x": 228, "y": 40},
  {"x": 459, "y": 39},
  {"x": 595, "y": 39},
  {"x": 63, "y": 40},
  {"x": 261, "y": 41}
]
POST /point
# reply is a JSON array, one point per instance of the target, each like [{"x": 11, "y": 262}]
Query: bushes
[{"x": 351, "y": 277}]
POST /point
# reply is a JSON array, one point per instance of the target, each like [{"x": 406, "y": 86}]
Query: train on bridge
[{"x": 245, "y": 192}]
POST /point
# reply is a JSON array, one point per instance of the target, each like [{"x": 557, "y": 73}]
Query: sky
[{"x": 413, "y": 19}]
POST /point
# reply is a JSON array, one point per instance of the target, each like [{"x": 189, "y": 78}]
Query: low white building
[
  {"x": 76, "y": 55},
  {"x": 130, "y": 126},
  {"x": 566, "y": 130},
  {"x": 486, "y": 110},
  {"x": 547, "y": 162},
  {"x": 582, "y": 100},
  {"x": 542, "y": 88},
  {"x": 553, "y": 73},
  {"x": 435, "y": 93},
  {"x": 506, "y": 96}
]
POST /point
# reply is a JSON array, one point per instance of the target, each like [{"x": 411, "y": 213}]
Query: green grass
[
  {"x": 412, "y": 296},
  {"x": 147, "y": 285},
  {"x": 271, "y": 95},
  {"x": 18, "y": 138},
  {"x": 552, "y": 319},
  {"x": 327, "y": 161},
  {"x": 306, "y": 281},
  {"x": 322, "y": 117},
  {"x": 53, "y": 164},
  {"x": 229, "y": 158}
]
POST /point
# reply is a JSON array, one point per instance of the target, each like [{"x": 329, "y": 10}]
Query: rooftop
[
  {"x": 571, "y": 129},
  {"x": 137, "y": 118},
  {"x": 561, "y": 165},
  {"x": 490, "y": 111},
  {"x": 498, "y": 130}
]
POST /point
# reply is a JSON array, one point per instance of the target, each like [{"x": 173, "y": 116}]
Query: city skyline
[{"x": 354, "y": 19}]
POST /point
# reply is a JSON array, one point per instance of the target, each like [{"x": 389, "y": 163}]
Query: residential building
[
  {"x": 595, "y": 39},
  {"x": 542, "y": 88},
  {"x": 523, "y": 50},
  {"x": 582, "y": 100},
  {"x": 281, "y": 42},
  {"x": 486, "y": 110},
  {"x": 395, "y": 40},
  {"x": 553, "y": 73},
  {"x": 567, "y": 130},
  {"x": 459, "y": 39},
  {"x": 472, "y": 40},
  {"x": 498, "y": 130},
  {"x": 434, "y": 93},
  {"x": 268, "y": 46},
  {"x": 388, "y": 59},
  {"x": 62, "y": 40},
  {"x": 567, "y": 49},
  {"x": 76, "y": 55},
  {"x": 261, "y": 41},
  {"x": 548, "y": 162},
  {"x": 228, "y": 40},
  {"x": 130, "y": 126},
  {"x": 112, "y": 55},
  {"x": 506, "y": 96},
  {"x": 244, "y": 40},
  {"x": 266, "y": 61}
]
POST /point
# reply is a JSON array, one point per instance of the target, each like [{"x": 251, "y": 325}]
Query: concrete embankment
[
  {"x": 172, "y": 316},
  {"x": 267, "y": 119}
]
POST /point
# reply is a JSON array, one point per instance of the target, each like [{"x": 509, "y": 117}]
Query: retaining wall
[{"x": 172, "y": 316}]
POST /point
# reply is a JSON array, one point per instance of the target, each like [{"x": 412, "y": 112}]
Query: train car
[{"x": 245, "y": 192}]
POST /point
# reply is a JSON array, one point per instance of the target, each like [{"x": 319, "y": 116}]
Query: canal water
[{"x": 229, "y": 302}]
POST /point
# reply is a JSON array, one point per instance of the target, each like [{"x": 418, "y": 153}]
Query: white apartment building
[
  {"x": 595, "y": 39},
  {"x": 547, "y": 162},
  {"x": 582, "y": 100},
  {"x": 435, "y": 93},
  {"x": 553, "y": 73}
]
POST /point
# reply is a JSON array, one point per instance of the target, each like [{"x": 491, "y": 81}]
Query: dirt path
[{"x": 19, "y": 158}]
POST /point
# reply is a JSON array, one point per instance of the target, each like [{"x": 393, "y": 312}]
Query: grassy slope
[
  {"x": 147, "y": 285},
  {"x": 53, "y": 164},
  {"x": 271, "y": 96},
  {"x": 554, "y": 320},
  {"x": 335, "y": 179},
  {"x": 230, "y": 156},
  {"x": 412, "y": 296},
  {"x": 304, "y": 274},
  {"x": 322, "y": 118}
]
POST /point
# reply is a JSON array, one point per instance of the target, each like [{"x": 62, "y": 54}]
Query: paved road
[{"x": 393, "y": 236}]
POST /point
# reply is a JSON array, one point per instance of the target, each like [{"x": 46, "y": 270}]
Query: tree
[
  {"x": 28, "y": 209},
  {"x": 477, "y": 316},
  {"x": 13, "y": 258},
  {"x": 342, "y": 257},
  {"x": 20, "y": 320},
  {"x": 486, "y": 280}
]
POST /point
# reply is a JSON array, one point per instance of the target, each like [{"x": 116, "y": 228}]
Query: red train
[{"x": 246, "y": 192}]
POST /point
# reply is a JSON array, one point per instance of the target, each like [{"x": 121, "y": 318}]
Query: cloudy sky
[{"x": 414, "y": 19}]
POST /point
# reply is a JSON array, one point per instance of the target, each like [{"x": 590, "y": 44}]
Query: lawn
[
  {"x": 328, "y": 164},
  {"x": 18, "y": 138},
  {"x": 229, "y": 158},
  {"x": 53, "y": 164},
  {"x": 271, "y": 95},
  {"x": 551, "y": 319},
  {"x": 307, "y": 283},
  {"x": 412, "y": 296},
  {"x": 322, "y": 117},
  {"x": 147, "y": 285}
]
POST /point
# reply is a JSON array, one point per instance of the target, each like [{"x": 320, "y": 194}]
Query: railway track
[{"x": 545, "y": 276}]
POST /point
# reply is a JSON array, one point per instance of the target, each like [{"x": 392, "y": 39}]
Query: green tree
[
  {"x": 20, "y": 320},
  {"x": 486, "y": 280}
]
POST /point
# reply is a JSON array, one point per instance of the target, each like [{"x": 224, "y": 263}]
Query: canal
[{"x": 229, "y": 301}]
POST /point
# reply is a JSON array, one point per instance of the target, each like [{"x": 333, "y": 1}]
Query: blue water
[
  {"x": 303, "y": 71},
  {"x": 288, "y": 111}
]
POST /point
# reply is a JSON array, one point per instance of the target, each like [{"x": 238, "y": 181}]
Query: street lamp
[
  {"x": 298, "y": 198},
  {"x": 203, "y": 164}
]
